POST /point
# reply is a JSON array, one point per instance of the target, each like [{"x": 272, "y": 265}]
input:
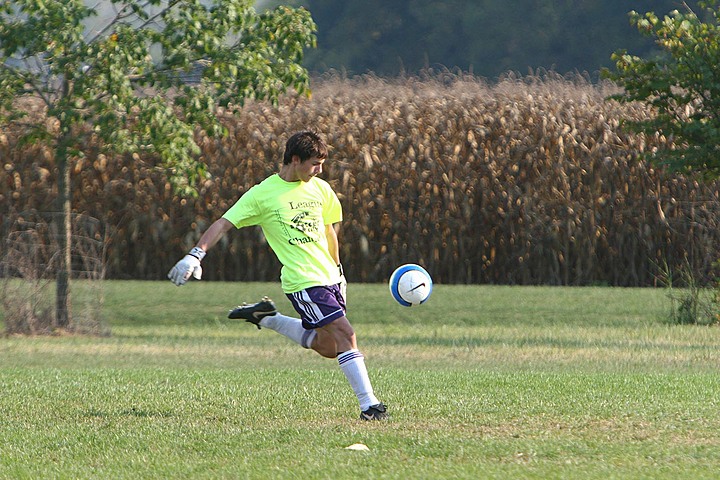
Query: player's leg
[
  {"x": 265, "y": 314},
  {"x": 352, "y": 364},
  {"x": 339, "y": 334},
  {"x": 324, "y": 328},
  {"x": 323, "y": 309},
  {"x": 324, "y": 344}
]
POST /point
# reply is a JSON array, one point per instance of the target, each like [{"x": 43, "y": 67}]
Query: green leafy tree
[
  {"x": 681, "y": 84},
  {"x": 141, "y": 78}
]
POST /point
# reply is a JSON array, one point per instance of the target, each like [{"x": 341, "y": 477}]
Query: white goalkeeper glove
[
  {"x": 188, "y": 267},
  {"x": 343, "y": 282}
]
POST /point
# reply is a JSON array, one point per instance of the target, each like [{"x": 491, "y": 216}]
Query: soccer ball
[{"x": 410, "y": 285}]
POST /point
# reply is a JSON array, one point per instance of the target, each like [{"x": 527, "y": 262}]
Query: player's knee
[
  {"x": 324, "y": 345},
  {"x": 324, "y": 351},
  {"x": 341, "y": 328}
]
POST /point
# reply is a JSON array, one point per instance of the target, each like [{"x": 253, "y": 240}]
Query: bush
[{"x": 28, "y": 267}]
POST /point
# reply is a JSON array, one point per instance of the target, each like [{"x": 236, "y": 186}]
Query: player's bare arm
[{"x": 214, "y": 233}]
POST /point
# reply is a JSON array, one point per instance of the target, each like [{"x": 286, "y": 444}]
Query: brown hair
[{"x": 305, "y": 144}]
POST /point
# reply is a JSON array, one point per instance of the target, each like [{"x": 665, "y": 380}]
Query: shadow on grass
[
  {"x": 547, "y": 342},
  {"x": 129, "y": 412}
]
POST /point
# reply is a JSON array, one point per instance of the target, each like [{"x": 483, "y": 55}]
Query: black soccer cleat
[
  {"x": 255, "y": 312},
  {"x": 374, "y": 412}
]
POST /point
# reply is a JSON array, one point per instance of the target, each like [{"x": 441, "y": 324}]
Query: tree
[
  {"x": 143, "y": 80},
  {"x": 681, "y": 85},
  {"x": 488, "y": 37}
]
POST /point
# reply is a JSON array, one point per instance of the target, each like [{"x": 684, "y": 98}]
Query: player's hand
[
  {"x": 188, "y": 267},
  {"x": 343, "y": 283}
]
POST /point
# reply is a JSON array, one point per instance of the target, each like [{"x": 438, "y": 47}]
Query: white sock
[
  {"x": 352, "y": 363},
  {"x": 290, "y": 327}
]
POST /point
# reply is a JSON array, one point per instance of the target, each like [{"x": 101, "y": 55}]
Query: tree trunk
[{"x": 63, "y": 315}]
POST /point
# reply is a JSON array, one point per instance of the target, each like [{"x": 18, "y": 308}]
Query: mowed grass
[{"x": 481, "y": 382}]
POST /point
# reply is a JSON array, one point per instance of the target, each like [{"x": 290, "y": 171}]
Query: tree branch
[{"x": 34, "y": 87}]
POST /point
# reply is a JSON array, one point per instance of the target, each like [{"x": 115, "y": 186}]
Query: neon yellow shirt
[{"x": 293, "y": 216}]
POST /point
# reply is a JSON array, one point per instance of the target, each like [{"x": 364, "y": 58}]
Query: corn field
[{"x": 524, "y": 181}]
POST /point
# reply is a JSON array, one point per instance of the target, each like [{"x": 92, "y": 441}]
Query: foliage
[
  {"x": 28, "y": 261},
  {"x": 148, "y": 74},
  {"x": 140, "y": 81},
  {"x": 682, "y": 86},
  {"x": 691, "y": 301},
  {"x": 486, "y": 37}
]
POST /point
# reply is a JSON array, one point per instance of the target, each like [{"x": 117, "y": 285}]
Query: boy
[{"x": 298, "y": 212}]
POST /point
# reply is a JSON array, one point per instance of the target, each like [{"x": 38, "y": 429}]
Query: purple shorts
[{"x": 318, "y": 306}]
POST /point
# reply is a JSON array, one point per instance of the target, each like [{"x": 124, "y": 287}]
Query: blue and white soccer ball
[{"x": 410, "y": 285}]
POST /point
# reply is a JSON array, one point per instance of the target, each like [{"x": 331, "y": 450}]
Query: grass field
[{"x": 481, "y": 382}]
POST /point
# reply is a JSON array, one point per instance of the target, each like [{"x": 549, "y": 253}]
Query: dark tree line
[{"x": 486, "y": 37}]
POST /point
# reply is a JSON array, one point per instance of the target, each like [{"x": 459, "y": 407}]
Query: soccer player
[{"x": 298, "y": 213}]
